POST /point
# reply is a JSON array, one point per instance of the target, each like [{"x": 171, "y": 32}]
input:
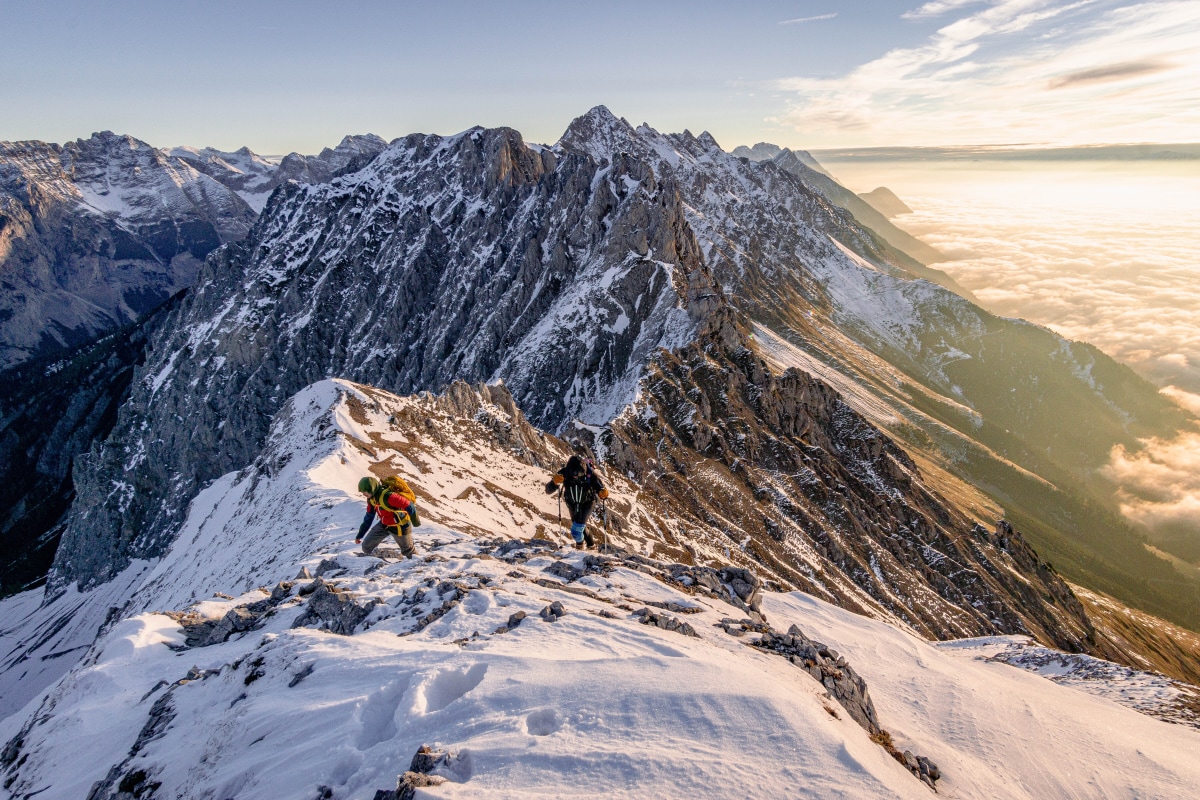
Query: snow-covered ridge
[
  {"x": 330, "y": 688},
  {"x": 468, "y": 257}
]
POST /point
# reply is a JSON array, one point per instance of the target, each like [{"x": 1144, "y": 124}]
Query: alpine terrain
[
  {"x": 800, "y": 425},
  {"x": 261, "y": 659},
  {"x": 95, "y": 236}
]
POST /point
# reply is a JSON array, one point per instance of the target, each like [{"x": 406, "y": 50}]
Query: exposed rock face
[
  {"x": 619, "y": 263},
  {"x": 1006, "y": 405},
  {"x": 97, "y": 232},
  {"x": 49, "y": 414},
  {"x": 472, "y": 256},
  {"x": 818, "y": 180},
  {"x": 783, "y": 469}
]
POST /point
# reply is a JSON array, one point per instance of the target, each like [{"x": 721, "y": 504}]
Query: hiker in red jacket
[{"x": 397, "y": 515}]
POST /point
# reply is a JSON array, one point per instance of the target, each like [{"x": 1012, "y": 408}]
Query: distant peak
[
  {"x": 108, "y": 139},
  {"x": 763, "y": 151},
  {"x": 361, "y": 141},
  {"x": 600, "y": 114},
  {"x": 596, "y": 132}
]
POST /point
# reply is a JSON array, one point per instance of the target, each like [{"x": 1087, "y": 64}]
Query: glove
[
  {"x": 602, "y": 494},
  {"x": 358, "y": 540},
  {"x": 558, "y": 478}
]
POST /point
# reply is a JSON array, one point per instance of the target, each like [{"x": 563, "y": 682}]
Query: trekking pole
[
  {"x": 560, "y": 506},
  {"x": 604, "y": 513}
]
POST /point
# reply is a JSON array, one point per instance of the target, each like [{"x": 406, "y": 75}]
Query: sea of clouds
[{"x": 1101, "y": 252}]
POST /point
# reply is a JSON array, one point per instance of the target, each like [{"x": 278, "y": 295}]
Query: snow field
[
  {"x": 593, "y": 704},
  {"x": 999, "y": 731}
]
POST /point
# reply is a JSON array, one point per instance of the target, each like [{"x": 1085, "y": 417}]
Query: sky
[{"x": 281, "y": 76}]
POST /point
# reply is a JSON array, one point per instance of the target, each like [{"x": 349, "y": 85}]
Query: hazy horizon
[{"x": 1100, "y": 252}]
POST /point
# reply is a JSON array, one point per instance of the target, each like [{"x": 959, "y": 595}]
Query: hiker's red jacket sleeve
[{"x": 392, "y": 518}]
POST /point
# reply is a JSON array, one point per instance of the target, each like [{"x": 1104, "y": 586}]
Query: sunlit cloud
[
  {"x": 939, "y": 7},
  {"x": 1017, "y": 71},
  {"x": 1160, "y": 484},
  {"x": 1106, "y": 256},
  {"x": 802, "y": 20}
]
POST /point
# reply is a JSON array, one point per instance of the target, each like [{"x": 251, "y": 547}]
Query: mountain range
[{"x": 756, "y": 356}]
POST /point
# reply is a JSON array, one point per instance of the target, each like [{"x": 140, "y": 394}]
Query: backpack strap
[{"x": 382, "y": 496}]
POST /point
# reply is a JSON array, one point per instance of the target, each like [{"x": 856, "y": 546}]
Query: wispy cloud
[
  {"x": 1018, "y": 70},
  {"x": 1112, "y": 72},
  {"x": 802, "y": 20},
  {"x": 938, "y": 7}
]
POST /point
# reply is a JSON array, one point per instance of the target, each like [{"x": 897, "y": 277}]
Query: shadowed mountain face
[
  {"x": 630, "y": 275},
  {"x": 51, "y": 410},
  {"x": 96, "y": 233},
  {"x": 94, "y": 236}
]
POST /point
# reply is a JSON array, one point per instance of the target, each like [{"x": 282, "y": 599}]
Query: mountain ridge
[{"x": 524, "y": 665}]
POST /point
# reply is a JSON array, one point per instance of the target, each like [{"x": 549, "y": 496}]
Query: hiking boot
[{"x": 579, "y": 545}]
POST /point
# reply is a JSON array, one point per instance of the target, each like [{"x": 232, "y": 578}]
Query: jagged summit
[
  {"x": 763, "y": 151},
  {"x": 706, "y": 139},
  {"x": 598, "y": 132}
]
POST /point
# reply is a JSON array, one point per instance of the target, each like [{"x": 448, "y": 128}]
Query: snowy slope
[{"x": 593, "y": 704}]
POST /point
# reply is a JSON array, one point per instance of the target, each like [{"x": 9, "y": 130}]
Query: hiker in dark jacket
[
  {"x": 580, "y": 487},
  {"x": 393, "y": 508}
]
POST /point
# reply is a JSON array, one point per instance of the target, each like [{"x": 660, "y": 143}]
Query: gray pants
[{"x": 379, "y": 532}]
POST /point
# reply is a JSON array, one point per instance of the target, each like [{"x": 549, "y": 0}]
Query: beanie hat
[{"x": 368, "y": 485}]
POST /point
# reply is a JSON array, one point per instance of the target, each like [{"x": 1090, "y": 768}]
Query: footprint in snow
[
  {"x": 443, "y": 688},
  {"x": 377, "y": 715},
  {"x": 478, "y": 602},
  {"x": 542, "y": 722}
]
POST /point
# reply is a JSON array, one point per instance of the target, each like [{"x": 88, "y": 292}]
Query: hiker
[
  {"x": 580, "y": 488},
  {"x": 395, "y": 503}
]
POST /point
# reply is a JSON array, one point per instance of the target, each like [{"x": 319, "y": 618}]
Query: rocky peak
[
  {"x": 763, "y": 151},
  {"x": 707, "y": 141},
  {"x": 598, "y": 132}
]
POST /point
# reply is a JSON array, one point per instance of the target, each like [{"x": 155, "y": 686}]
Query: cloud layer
[
  {"x": 1002, "y": 71},
  {"x": 1160, "y": 488},
  {"x": 1105, "y": 254},
  {"x": 1102, "y": 252}
]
